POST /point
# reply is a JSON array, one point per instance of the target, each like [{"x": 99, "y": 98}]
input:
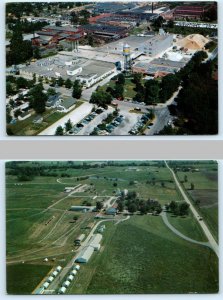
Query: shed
[
  {"x": 58, "y": 269},
  {"x": 62, "y": 290},
  {"x": 50, "y": 279},
  {"x": 73, "y": 272},
  {"x": 55, "y": 273},
  {"x": 76, "y": 267},
  {"x": 70, "y": 277},
  {"x": 85, "y": 255},
  {"x": 45, "y": 285},
  {"x": 79, "y": 239},
  {"x": 66, "y": 283}
]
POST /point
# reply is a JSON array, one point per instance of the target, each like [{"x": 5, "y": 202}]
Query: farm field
[{"x": 140, "y": 252}]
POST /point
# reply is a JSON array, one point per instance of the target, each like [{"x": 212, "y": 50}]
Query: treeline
[
  {"x": 178, "y": 209},
  {"x": 197, "y": 101},
  {"x": 132, "y": 203},
  {"x": 25, "y": 26}
]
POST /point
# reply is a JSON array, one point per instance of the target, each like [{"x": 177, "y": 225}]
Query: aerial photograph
[
  {"x": 111, "y": 68},
  {"x": 112, "y": 227}
]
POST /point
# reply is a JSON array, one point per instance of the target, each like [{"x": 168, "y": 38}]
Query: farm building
[
  {"x": 70, "y": 277},
  {"x": 111, "y": 211},
  {"x": 55, "y": 273},
  {"x": 79, "y": 239},
  {"x": 90, "y": 225},
  {"x": 74, "y": 272},
  {"x": 39, "y": 291},
  {"x": 76, "y": 267},
  {"x": 66, "y": 283},
  {"x": 50, "y": 279},
  {"x": 85, "y": 255},
  {"x": 82, "y": 208},
  {"x": 62, "y": 290},
  {"x": 95, "y": 241},
  {"x": 58, "y": 269},
  {"x": 45, "y": 285}
]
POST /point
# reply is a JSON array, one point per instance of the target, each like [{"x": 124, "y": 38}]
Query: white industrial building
[{"x": 85, "y": 255}]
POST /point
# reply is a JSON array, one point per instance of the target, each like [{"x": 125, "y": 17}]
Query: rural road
[
  {"x": 207, "y": 232},
  {"x": 167, "y": 223}
]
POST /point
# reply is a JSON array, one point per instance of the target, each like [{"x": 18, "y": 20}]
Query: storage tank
[
  {"x": 45, "y": 285},
  {"x": 50, "y": 279},
  {"x": 74, "y": 272},
  {"x": 126, "y": 50},
  {"x": 70, "y": 277},
  {"x": 58, "y": 269},
  {"x": 55, "y": 273},
  {"x": 62, "y": 290},
  {"x": 66, "y": 283}
]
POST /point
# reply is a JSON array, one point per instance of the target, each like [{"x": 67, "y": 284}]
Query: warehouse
[
  {"x": 194, "y": 12},
  {"x": 95, "y": 241},
  {"x": 82, "y": 208},
  {"x": 103, "y": 30},
  {"x": 158, "y": 67},
  {"x": 85, "y": 255}
]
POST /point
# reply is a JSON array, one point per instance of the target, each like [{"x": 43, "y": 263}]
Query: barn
[
  {"x": 85, "y": 255},
  {"x": 95, "y": 241}
]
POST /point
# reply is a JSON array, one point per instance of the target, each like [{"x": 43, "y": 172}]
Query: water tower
[{"x": 127, "y": 58}]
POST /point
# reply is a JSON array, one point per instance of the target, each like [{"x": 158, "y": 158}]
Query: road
[
  {"x": 174, "y": 230},
  {"x": 204, "y": 227},
  {"x": 75, "y": 116}
]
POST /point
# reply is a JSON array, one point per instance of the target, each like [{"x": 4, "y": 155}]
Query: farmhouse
[
  {"x": 85, "y": 255},
  {"x": 111, "y": 211}
]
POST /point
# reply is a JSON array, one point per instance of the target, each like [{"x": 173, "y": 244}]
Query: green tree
[
  {"x": 173, "y": 206},
  {"x": 192, "y": 186},
  {"x": 185, "y": 178},
  {"x": 68, "y": 83},
  {"x": 77, "y": 89},
  {"x": 60, "y": 81},
  {"x": 101, "y": 98},
  {"x": 99, "y": 205},
  {"x": 151, "y": 91},
  {"x": 120, "y": 206},
  {"x": 38, "y": 98},
  {"x": 121, "y": 78},
  {"x": 132, "y": 208},
  {"x": 59, "y": 130},
  {"x": 184, "y": 209},
  {"x": 51, "y": 92},
  {"x": 68, "y": 125}
]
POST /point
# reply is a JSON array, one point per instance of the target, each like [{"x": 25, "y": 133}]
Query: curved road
[
  {"x": 167, "y": 223},
  {"x": 207, "y": 232}
]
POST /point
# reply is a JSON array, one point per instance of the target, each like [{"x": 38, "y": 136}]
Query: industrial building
[
  {"x": 148, "y": 45},
  {"x": 85, "y": 255},
  {"x": 105, "y": 31},
  {"x": 194, "y": 12},
  {"x": 87, "y": 71},
  {"x": 159, "y": 67}
]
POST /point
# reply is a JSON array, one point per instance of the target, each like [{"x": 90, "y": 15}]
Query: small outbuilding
[
  {"x": 111, "y": 211},
  {"x": 70, "y": 277},
  {"x": 73, "y": 272},
  {"x": 55, "y": 273},
  {"x": 45, "y": 285},
  {"x": 50, "y": 279},
  {"x": 95, "y": 241},
  {"x": 66, "y": 283},
  {"x": 62, "y": 290},
  {"x": 58, "y": 269},
  {"x": 76, "y": 267}
]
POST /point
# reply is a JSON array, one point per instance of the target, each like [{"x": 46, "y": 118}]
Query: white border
[
  {"x": 3, "y": 135},
  {"x": 113, "y": 297}
]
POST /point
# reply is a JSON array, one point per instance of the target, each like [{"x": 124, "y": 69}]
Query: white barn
[
  {"x": 95, "y": 241},
  {"x": 85, "y": 255}
]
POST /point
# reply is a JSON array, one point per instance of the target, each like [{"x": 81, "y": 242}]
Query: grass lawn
[
  {"x": 23, "y": 278},
  {"x": 26, "y": 127},
  {"x": 141, "y": 256}
]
